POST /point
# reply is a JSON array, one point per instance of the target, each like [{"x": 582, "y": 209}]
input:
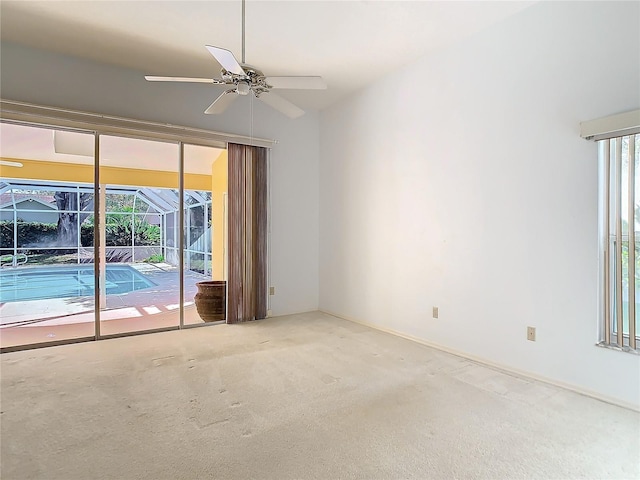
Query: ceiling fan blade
[
  {"x": 221, "y": 103},
  {"x": 306, "y": 83},
  {"x": 151, "y": 78},
  {"x": 282, "y": 105},
  {"x": 226, "y": 59}
]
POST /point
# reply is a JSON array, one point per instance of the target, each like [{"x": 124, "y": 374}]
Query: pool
[{"x": 41, "y": 283}]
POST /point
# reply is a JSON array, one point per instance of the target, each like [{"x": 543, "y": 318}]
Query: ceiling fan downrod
[{"x": 243, "y": 9}]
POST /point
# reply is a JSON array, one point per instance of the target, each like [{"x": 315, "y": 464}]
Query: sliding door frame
[{"x": 19, "y": 113}]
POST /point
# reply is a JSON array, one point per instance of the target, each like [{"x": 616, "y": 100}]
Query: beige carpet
[{"x": 303, "y": 396}]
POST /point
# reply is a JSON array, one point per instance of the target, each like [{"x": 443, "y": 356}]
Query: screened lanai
[{"x": 52, "y": 222}]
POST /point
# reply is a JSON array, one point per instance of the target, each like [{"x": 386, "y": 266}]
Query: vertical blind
[
  {"x": 247, "y": 292},
  {"x": 621, "y": 224}
]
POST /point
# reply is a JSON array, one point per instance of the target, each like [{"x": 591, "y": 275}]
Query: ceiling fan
[{"x": 245, "y": 79}]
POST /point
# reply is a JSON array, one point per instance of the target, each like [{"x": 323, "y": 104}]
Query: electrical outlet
[
  {"x": 531, "y": 333},
  {"x": 272, "y": 290},
  {"x": 435, "y": 312}
]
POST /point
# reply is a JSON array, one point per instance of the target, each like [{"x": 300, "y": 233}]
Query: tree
[
  {"x": 196, "y": 222},
  {"x": 67, "y": 204}
]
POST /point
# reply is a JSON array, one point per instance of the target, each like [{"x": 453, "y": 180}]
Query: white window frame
[{"x": 609, "y": 132}]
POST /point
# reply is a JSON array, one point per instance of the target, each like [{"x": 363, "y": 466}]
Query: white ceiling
[{"x": 349, "y": 43}]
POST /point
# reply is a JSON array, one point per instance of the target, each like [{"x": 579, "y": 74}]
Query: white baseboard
[{"x": 506, "y": 368}]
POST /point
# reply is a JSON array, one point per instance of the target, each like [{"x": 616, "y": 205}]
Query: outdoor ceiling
[
  {"x": 349, "y": 43},
  {"x": 32, "y": 143}
]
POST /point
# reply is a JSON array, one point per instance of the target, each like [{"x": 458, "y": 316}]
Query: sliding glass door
[
  {"x": 153, "y": 245},
  {"x": 140, "y": 281},
  {"x": 204, "y": 223},
  {"x": 46, "y": 235}
]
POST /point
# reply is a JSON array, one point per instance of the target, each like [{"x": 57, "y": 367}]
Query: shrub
[
  {"x": 29, "y": 234},
  {"x": 117, "y": 231},
  {"x": 157, "y": 258}
]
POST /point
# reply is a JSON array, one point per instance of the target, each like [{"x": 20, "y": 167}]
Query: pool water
[{"x": 41, "y": 283}]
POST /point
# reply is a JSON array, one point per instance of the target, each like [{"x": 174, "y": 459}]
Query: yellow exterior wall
[
  {"x": 71, "y": 172},
  {"x": 219, "y": 185},
  {"x": 35, "y": 170}
]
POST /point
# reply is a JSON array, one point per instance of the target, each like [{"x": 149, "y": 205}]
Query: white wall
[
  {"x": 40, "y": 77},
  {"x": 461, "y": 182}
]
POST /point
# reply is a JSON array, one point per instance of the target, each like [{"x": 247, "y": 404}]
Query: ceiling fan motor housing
[{"x": 253, "y": 80}]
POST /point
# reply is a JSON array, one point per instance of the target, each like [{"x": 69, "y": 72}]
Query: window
[{"x": 620, "y": 241}]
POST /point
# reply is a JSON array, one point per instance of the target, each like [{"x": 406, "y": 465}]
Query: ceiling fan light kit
[{"x": 245, "y": 79}]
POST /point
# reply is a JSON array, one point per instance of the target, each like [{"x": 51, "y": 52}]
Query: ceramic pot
[{"x": 211, "y": 300}]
